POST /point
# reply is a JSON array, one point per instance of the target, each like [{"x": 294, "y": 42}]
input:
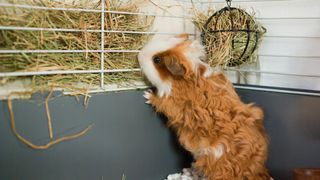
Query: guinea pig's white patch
[
  {"x": 216, "y": 151},
  {"x": 163, "y": 87},
  {"x": 159, "y": 44},
  {"x": 208, "y": 72},
  {"x": 154, "y": 46},
  {"x": 196, "y": 53}
]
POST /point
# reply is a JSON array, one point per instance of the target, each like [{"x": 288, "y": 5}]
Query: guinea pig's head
[{"x": 166, "y": 60}]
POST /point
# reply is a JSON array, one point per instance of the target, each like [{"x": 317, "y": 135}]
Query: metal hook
[{"x": 229, "y": 3}]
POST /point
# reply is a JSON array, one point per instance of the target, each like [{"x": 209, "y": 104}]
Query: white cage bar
[{"x": 102, "y": 46}]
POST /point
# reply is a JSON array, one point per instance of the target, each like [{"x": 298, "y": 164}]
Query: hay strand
[
  {"x": 46, "y": 103},
  {"x": 49, "y": 144}
]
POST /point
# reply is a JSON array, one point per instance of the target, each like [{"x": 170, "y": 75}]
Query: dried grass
[
  {"x": 51, "y": 142},
  {"x": 221, "y": 51},
  {"x": 49, "y": 40}
]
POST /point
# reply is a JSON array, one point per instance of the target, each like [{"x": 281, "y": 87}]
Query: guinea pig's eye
[{"x": 157, "y": 60}]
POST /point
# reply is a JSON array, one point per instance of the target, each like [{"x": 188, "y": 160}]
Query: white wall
[{"x": 291, "y": 45}]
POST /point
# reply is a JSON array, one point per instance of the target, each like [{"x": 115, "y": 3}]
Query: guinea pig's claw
[{"x": 147, "y": 94}]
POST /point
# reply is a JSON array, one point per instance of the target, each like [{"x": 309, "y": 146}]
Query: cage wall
[{"x": 130, "y": 140}]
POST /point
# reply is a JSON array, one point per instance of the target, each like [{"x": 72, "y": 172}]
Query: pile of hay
[
  {"x": 225, "y": 48},
  {"x": 51, "y": 40}
]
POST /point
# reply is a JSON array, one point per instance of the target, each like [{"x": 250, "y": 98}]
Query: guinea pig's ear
[{"x": 174, "y": 66}]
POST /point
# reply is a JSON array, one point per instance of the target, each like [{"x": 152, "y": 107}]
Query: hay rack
[{"x": 252, "y": 32}]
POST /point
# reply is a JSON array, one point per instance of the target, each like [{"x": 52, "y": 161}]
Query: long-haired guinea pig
[{"x": 225, "y": 135}]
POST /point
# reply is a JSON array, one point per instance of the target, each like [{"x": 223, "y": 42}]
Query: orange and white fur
[{"x": 225, "y": 135}]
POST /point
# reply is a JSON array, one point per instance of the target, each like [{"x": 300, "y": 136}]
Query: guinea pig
[{"x": 225, "y": 135}]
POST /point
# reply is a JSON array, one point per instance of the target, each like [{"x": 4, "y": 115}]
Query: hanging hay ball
[{"x": 231, "y": 36}]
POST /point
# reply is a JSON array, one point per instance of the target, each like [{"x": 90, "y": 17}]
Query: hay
[
  {"x": 46, "y": 104},
  {"x": 225, "y": 48},
  {"x": 50, "y": 40},
  {"x": 51, "y": 142}
]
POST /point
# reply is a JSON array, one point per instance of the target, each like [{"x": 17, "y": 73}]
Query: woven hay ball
[{"x": 231, "y": 37}]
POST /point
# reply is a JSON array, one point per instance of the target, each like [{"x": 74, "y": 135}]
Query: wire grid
[
  {"x": 102, "y": 70},
  {"x": 101, "y": 50}
]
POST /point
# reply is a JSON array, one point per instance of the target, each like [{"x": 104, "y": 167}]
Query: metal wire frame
[
  {"x": 67, "y": 51},
  {"x": 223, "y": 1},
  {"x": 137, "y": 13},
  {"x": 102, "y": 50},
  {"x": 277, "y": 90},
  {"x": 125, "y": 51},
  {"x": 32, "y": 73},
  {"x": 256, "y": 32},
  {"x": 102, "y": 46},
  {"x": 273, "y": 73},
  {"x": 124, "y": 32},
  {"x": 86, "y": 30},
  {"x": 87, "y": 10}
]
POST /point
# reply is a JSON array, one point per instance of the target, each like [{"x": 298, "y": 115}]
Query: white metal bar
[
  {"x": 124, "y": 51},
  {"x": 222, "y": 1},
  {"x": 134, "y": 13},
  {"x": 120, "y": 31},
  {"x": 121, "y": 70},
  {"x": 297, "y": 92},
  {"x": 56, "y": 72},
  {"x": 47, "y": 29},
  {"x": 10, "y": 74},
  {"x": 246, "y": 1},
  {"x": 67, "y": 51},
  {"x": 112, "y": 89},
  {"x": 119, "y": 51},
  {"x": 47, "y": 51},
  {"x": 85, "y": 10},
  {"x": 102, "y": 46},
  {"x": 287, "y": 18},
  {"x": 84, "y": 30},
  {"x": 289, "y": 56},
  {"x": 7, "y": 74},
  {"x": 145, "y": 32},
  {"x": 47, "y": 8},
  {"x": 277, "y": 73},
  {"x": 292, "y": 37},
  {"x": 294, "y": 92},
  {"x": 143, "y": 14}
]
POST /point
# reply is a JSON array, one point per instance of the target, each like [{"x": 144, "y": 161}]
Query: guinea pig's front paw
[{"x": 148, "y": 94}]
